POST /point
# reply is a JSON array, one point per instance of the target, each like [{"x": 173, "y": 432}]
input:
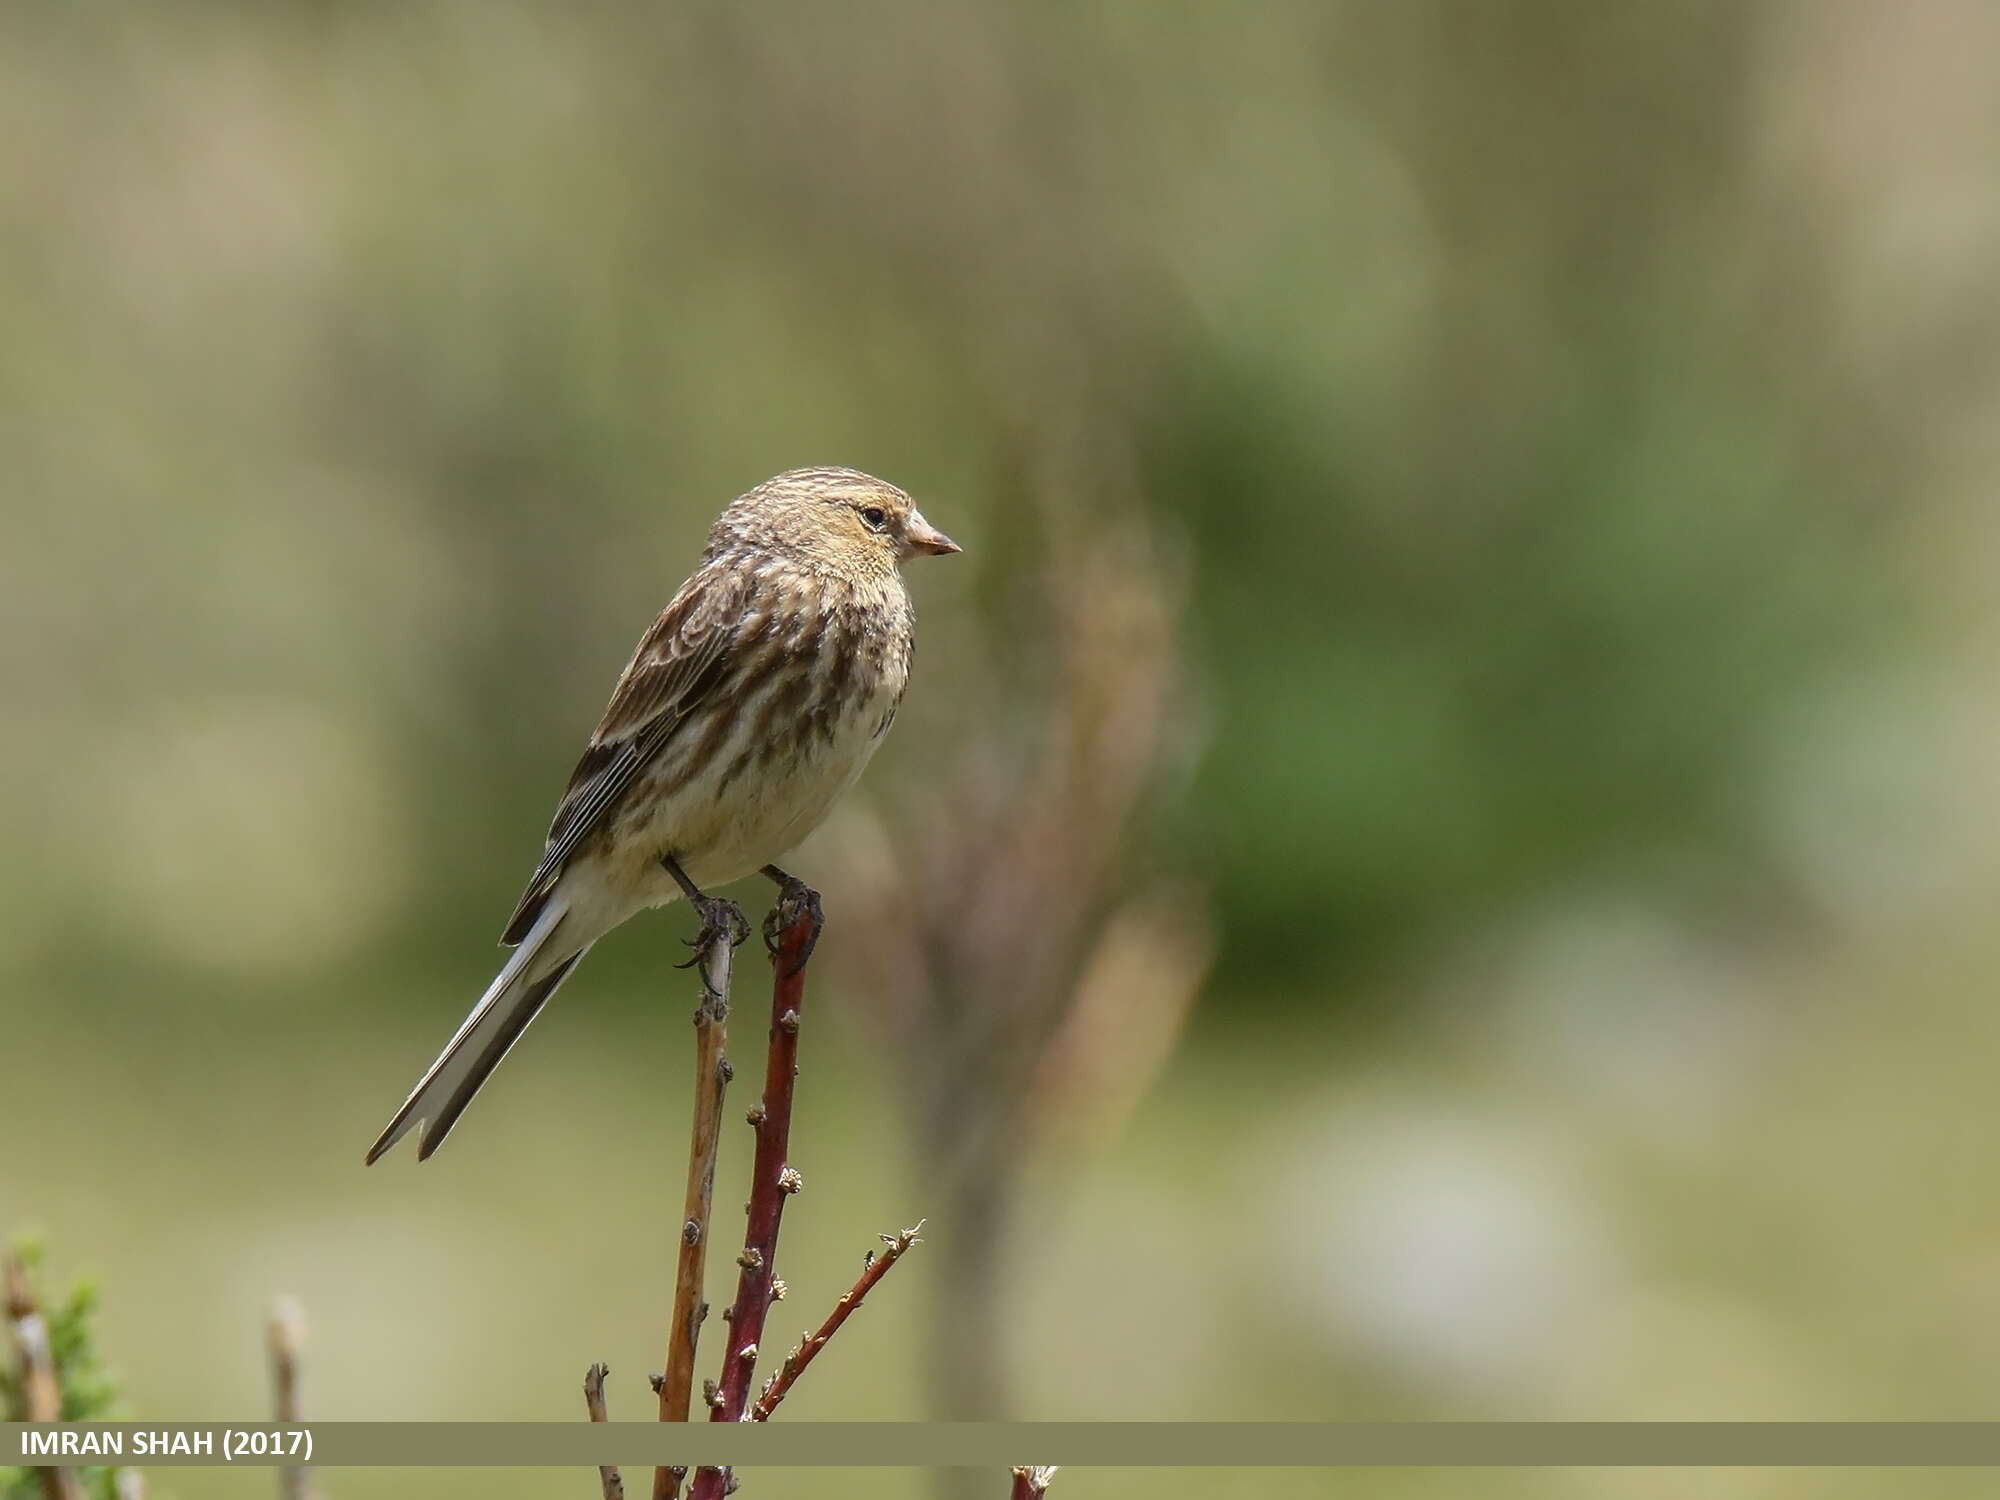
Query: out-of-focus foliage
[
  {"x": 1567, "y": 438},
  {"x": 372, "y": 377}
]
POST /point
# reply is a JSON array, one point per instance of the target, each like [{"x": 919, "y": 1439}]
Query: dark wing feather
[{"x": 676, "y": 664}]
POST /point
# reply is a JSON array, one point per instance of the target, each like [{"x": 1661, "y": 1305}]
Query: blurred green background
[{"x": 1440, "y": 856}]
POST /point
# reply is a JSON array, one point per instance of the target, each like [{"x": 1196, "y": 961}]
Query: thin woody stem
[
  {"x": 1032, "y": 1483},
  {"x": 790, "y": 933},
  {"x": 872, "y": 1271},
  {"x": 713, "y": 960},
  {"x": 612, "y": 1482},
  {"x": 287, "y": 1337}
]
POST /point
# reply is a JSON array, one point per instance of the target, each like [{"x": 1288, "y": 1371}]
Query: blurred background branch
[
  {"x": 286, "y": 1337},
  {"x": 1012, "y": 871},
  {"x": 35, "y": 1393}
]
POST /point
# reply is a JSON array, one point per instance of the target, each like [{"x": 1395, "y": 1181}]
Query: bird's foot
[
  {"x": 797, "y": 901},
  {"x": 723, "y": 927},
  {"x": 721, "y": 922}
]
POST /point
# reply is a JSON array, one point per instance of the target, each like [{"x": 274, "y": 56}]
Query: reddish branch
[
  {"x": 711, "y": 1077},
  {"x": 593, "y": 1397},
  {"x": 790, "y": 933},
  {"x": 872, "y": 1271},
  {"x": 1032, "y": 1483}
]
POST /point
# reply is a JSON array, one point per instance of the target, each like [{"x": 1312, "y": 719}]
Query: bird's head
[{"x": 840, "y": 518}]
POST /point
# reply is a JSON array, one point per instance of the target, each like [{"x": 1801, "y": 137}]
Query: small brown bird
[{"x": 750, "y": 706}]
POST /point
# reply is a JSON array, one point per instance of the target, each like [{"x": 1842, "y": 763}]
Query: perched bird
[{"x": 749, "y": 707}]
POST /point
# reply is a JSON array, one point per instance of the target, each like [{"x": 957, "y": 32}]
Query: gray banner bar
[{"x": 1002, "y": 1444}]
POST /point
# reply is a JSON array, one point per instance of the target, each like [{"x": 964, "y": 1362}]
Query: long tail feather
[
  {"x": 518, "y": 992},
  {"x": 533, "y": 997}
]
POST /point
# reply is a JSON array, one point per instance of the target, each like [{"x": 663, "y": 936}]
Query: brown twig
[
  {"x": 1032, "y": 1483},
  {"x": 35, "y": 1367},
  {"x": 872, "y": 1271},
  {"x": 593, "y": 1399},
  {"x": 287, "y": 1337},
  {"x": 790, "y": 932},
  {"x": 711, "y": 1077},
  {"x": 676, "y": 1473}
]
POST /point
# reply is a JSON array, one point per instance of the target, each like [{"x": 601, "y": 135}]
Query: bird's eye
[{"x": 874, "y": 517}]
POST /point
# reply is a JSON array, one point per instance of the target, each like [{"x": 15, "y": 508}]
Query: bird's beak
[{"x": 923, "y": 537}]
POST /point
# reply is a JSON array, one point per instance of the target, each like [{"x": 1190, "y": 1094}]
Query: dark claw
[
  {"x": 719, "y": 919},
  {"x": 795, "y": 900}
]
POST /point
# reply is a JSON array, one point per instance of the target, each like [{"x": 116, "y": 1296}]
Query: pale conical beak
[{"x": 923, "y": 537}]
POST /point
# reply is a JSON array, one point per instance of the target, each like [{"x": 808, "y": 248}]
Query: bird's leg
[
  {"x": 795, "y": 898},
  {"x": 720, "y": 919}
]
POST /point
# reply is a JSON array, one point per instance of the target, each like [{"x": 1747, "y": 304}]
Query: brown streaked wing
[
  {"x": 677, "y": 662},
  {"x": 690, "y": 634}
]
